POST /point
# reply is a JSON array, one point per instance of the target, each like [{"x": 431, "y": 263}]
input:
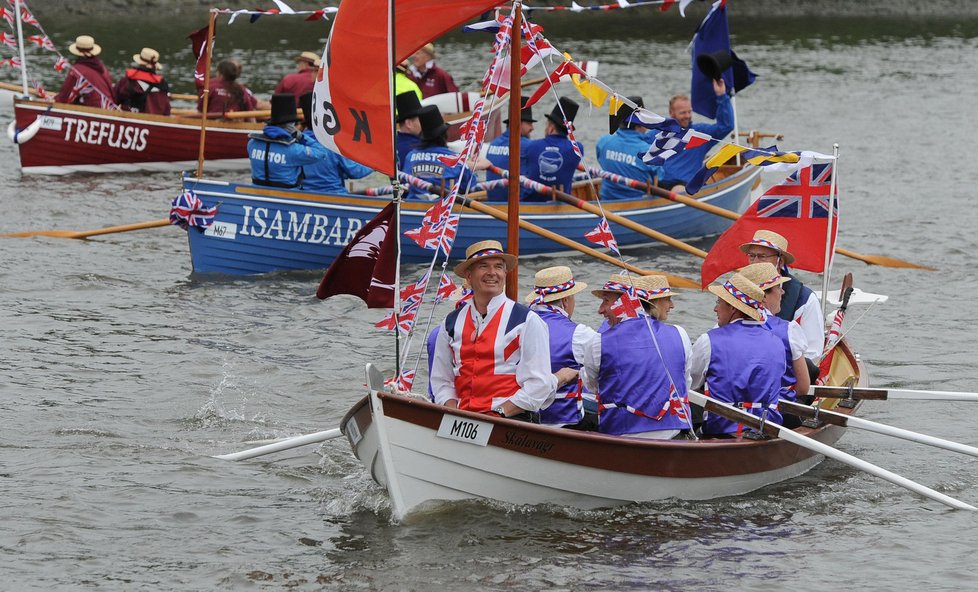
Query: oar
[
  {"x": 283, "y": 445},
  {"x": 694, "y": 203},
  {"x": 88, "y": 233},
  {"x": 848, "y": 421},
  {"x": 587, "y": 207},
  {"x": 734, "y": 414},
  {"x": 875, "y": 394}
]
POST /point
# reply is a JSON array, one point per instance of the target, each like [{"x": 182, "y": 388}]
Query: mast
[
  {"x": 20, "y": 44},
  {"x": 206, "y": 90},
  {"x": 513, "y": 209},
  {"x": 394, "y": 232}
]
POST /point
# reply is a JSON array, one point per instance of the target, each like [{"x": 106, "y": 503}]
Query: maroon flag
[
  {"x": 198, "y": 44},
  {"x": 365, "y": 268}
]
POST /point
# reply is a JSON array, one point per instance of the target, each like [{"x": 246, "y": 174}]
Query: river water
[{"x": 122, "y": 373}]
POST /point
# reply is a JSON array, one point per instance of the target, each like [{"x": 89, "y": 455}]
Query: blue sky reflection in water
[{"x": 122, "y": 373}]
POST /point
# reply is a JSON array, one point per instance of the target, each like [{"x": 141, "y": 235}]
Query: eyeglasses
[{"x": 762, "y": 256}]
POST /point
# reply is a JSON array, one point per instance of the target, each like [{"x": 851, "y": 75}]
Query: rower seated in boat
[
  {"x": 280, "y": 151},
  {"x": 553, "y": 299},
  {"x": 553, "y": 159},
  {"x": 88, "y": 81},
  {"x": 329, "y": 175},
  {"x": 498, "y": 150},
  {"x": 408, "y": 111},
  {"x": 620, "y": 153},
  {"x": 796, "y": 379},
  {"x": 143, "y": 88},
  {"x": 425, "y": 162},
  {"x": 225, "y": 94},
  {"x": 492, "y": 355},
  {"x": 639, "y": 366},
  {"x": 739, "y": 362}
]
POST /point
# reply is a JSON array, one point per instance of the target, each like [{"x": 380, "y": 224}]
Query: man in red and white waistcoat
[{"x": 492, "y": 355}]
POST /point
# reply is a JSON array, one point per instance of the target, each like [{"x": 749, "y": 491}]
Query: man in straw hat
[
  {"x": 303, "y": 79},
  {"x": 408, "y": 116},
  {"x": 280, "y": 151},
  {"x": 424, "y": 162},
  {"x": 639, "y": 365},
  {"x": 620, "y": 153},
  {"x": 739, "y": 361},
  {"x": 799, "y": 303},
  {"x": 88, "y": 81},
  {"x": 796, "y": 379},
  {"x": 498, "y": 151},
  {"x": 330, "y": 174},
  {"x": 143, "y": 88},
  {"x": 553, "y": 159},
  {"x": 553, "y": 299},
  {"x": 492, "y": 355},
  {"x": 432, "y": 79}
]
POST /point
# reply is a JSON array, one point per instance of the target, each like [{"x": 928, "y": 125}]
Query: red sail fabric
[
  {"x": 365, "y": 268},
  {"x": 352, "y": 110},
  {"x": 796, "y": 209}
]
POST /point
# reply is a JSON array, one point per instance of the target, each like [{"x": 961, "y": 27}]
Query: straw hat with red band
[
  {"x": 647, "y": 288},
  {"x": 481, "y": 250},
  {"x": 554, "y": 283},
  {"x": 309, "y": 58},
  {"x": 742, "y": 294},
  {"x": 85, "y": 46},
  {"x": 149, "y": 58},
  {"x": 771, "y": 240},
  {"x": 765, "y": 275}
]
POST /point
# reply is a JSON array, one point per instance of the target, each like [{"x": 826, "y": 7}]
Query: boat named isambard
[
  {"x": 57, "y": 139},
  {"x": 424, "y": 453}
]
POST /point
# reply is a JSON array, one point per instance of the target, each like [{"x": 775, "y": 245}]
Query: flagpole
[
  {"x": 395, "y": 230},
  {"x": 830, "y": 231},
  {"x": 513, "y": 207},
  {"x": 206, "y": 89},
  {"x": 20, "y": 43}
]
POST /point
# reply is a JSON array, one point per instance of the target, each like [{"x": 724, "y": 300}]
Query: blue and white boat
[{"x": 264, "y": 229}]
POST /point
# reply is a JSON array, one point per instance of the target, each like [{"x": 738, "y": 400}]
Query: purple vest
[
  {"x": 632, "y": 374},
  {"x": 746, "y": 366},
  {"x": 563, "y": 409},
  {"x": 779, "y": 327}
]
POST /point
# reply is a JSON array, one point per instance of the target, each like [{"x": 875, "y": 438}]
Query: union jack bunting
[
  {"x": 602, "y": 235},
  {"x": 668, "y": 144},
  {"x": 8, "y": 40},
  {"x": 7, "y": 15},
  {"x": 402, "y": 382},
  {"x": 42, "y": 41},
  {"x": 405, "y": 322},
  {"x": 188, "y": 210},
  {"x": 27, "y": 18},
  {"x": 627, "y": 306},
  {"x": 445, "y": 288},
  {"x": 61, "y": 64},
  {"x": 414, "y": 292}
]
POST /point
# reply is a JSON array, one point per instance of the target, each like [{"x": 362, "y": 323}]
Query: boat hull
[
  {"x": 260, "y": 230},
  {"x": 436, "y": 453},
  {"x": 74, "y": 138}
]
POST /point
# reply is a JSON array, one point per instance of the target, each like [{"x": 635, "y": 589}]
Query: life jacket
[{"x": 795, "y": 295}]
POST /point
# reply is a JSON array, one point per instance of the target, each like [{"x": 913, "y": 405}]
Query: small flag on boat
[
  {"x": 602, "y": 235},
  {"x": 198, "y": 45},
  {"x": 365, "y": 267},
  {"x": 403, "y": 382},
  {"x": 188, "y": 210},
  {"x": 445, "y": 288},
  {"x": 668, "y": 144},
  {"x": 797, "y": 209}
]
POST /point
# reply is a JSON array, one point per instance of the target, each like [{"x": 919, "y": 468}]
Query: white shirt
[
  {"x": 582, "y": 334},
  {"x": 537, "y": 384},
  {"x": 809, "y": 318},
  {"x": 592, "y": 359}
]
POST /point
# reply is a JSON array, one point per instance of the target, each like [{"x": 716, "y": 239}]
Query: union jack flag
[
  {"x": 8, "y": 40},
  {"x": 188, "y": 210},
  {"x": 403, "y": 382},
  {"x": 804, "y": 194},
  {"x": 42, "y": 41},
  {"x": 405, "y": 321},
  {"x": 27, "y": 18},
  {"x": 414, "y": 292},
  {"x": 602, "y": 235},
  {"x": 627, "y": 306},
  {"x": 445, "y": 288},
  {"x": 7, "y": 16},
  {"x": 61, "y": 64}
]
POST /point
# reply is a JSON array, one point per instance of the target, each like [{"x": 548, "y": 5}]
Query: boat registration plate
[
  {"x": 464, "y": 430},
  {"x": 227, "y": 230}
]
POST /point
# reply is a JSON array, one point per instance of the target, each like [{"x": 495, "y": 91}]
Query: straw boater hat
[
  {"x": 148, "y": 57},
  {"x": 619, "y": 284},
  {"x": 765, "y": 275},
  {"x": 309, "y": 58},
  {"x": 771, "y": 240},
  {"x": 481, "y": 250},
  {"x": 742, "y": 294},
  {"x": 554, "y": 283},
  {"x": 85, "y": 46},
  {"x": 428, "y": 48}
]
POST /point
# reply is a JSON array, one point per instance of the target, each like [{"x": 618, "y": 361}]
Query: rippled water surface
[{"x": 122, "y": 373}]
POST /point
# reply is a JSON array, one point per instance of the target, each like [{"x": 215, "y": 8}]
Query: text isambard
[{"x": 287, "y": 225}]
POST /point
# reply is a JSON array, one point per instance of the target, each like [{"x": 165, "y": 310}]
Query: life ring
[
  {"x": 23, "y": 136},
  {"x": 454, "y": 102}
]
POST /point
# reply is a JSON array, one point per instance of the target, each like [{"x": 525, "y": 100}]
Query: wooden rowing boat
[{"x": 423, "y": 453}]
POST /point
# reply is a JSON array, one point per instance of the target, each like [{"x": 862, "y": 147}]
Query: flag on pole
[
  {"x": 713, "y": 35},
  {"x": 797, "y": 209},
  {"x": 198, "y": 45},
  {"x": 365, "y": 267}
]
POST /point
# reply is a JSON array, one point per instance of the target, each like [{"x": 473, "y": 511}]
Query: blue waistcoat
[
  {"x": 563, "y": 409},
  {"x": 631, "y": 373},
  {"x": 779, "y": 327},
  {"x": 551, "y": 161},
  {"x": 746, "y": 365},
  {"x": 621, "y": 153}
]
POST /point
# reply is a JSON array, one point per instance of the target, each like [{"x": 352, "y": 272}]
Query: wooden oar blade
[
  {"x": 870, "y": 394},
  {"x": 88, "y": 233},
  {"x": 32, "y": 233},
  {"x": 882, "y": 260}
]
